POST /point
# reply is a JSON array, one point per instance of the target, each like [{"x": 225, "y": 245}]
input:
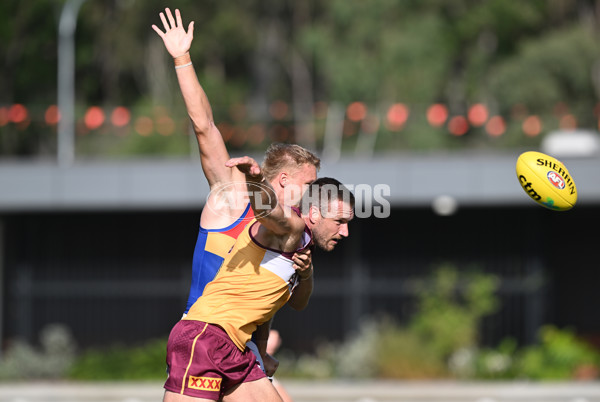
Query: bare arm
[
  {"x": 213, "y": 153},
  {"x": 302, "y": 291},
  {"x": 267, "y": 210},
  {"x": 261, "y": 337}
]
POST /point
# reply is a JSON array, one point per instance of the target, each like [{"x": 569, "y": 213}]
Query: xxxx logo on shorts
[{"x": 204, "y": 383}]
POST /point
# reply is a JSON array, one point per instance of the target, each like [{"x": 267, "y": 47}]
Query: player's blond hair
[{"x": 279, "y": 157}]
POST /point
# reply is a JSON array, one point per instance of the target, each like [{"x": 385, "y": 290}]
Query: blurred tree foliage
[{"x": 532, "y": 54}]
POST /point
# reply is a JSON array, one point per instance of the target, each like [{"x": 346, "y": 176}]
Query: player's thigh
[
  {"x": 173, "y": 397},
  {"x": 254, "y": 391}
]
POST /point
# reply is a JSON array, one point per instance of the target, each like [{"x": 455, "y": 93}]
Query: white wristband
[{"x": 183, "y": 65}]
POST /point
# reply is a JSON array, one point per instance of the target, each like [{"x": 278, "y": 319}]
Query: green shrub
[
  {"x": 558, "y": 356},
  {"x": 402, "y": 353},
  {"x": 449, "y": 309},
  {"x": 497, "y": 363},
  {"x": 146, "y": 362},
  {"x": 354, "y": 358}
]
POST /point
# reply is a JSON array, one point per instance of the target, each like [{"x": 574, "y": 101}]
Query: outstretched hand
[
  {"x": 176, "y": 40},
  {"x": 246, "y": 165}
]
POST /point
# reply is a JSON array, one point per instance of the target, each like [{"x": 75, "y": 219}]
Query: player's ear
[
  {"x": 283, "y": 179},
  {"x": 314, "y": 214}
]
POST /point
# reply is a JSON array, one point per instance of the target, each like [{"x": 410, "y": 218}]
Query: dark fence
[{"x": 123, "y": 277}]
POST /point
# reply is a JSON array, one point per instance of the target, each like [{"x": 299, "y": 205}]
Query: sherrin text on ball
[{"x": 546, "y": 180}]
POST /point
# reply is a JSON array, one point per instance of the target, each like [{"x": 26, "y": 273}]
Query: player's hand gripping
[
  {"x": 303, "y": 264},
  {"x": 176, "y": 40}
]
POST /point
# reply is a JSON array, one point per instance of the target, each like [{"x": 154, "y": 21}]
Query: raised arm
[{"x": 213, "y": 153}]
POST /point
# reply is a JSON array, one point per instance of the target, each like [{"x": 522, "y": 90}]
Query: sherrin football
[{"x": 546, "y": 180}]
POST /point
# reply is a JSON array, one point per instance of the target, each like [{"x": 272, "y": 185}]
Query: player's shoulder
[{"x": 225, "y": 204}]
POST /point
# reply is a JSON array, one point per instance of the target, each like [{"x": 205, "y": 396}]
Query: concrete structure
[{"x": 414, "y": 180}]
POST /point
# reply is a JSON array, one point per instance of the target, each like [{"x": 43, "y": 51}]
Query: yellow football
[{"x": 546, "y": 180}]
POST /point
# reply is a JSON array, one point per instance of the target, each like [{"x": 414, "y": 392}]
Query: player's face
[
  {"x": 333, "y": 225},
  {"x": 297, "y": 182}
]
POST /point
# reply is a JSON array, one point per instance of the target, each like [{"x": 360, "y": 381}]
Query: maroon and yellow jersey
[{"x": 253, "y": 283}]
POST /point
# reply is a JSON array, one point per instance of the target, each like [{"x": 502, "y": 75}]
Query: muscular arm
[
  {"x": 302, "y": 291},
  {"x": 261, "y": 337},
  {"x": 213, "y": 153},
  {"x": 282, "y": 229}
]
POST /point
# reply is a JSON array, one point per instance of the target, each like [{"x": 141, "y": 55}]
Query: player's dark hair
[{"x": 324, "y": 190}]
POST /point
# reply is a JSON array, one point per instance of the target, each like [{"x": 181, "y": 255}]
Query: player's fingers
[
  {"x": 303, "y": 255},
  {"x": 164, "y": 21},
  {"x": 236, "y": 161},
  {"x": 191, "y": 29},
  {"x": 300, "y": 263},
  {"x": 255, "y": 169},
  {"x": 304, "y": 252},
  {"x": 171, "y": 19},
  {"x": 248, "y": 161},
  {"x": 158, "y": 31},
  {"x": 232, "y": 162},
  {"x": 178, "y": 18}
]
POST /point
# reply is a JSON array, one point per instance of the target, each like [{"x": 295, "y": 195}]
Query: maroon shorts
[{"x": 203, "y": 362}]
